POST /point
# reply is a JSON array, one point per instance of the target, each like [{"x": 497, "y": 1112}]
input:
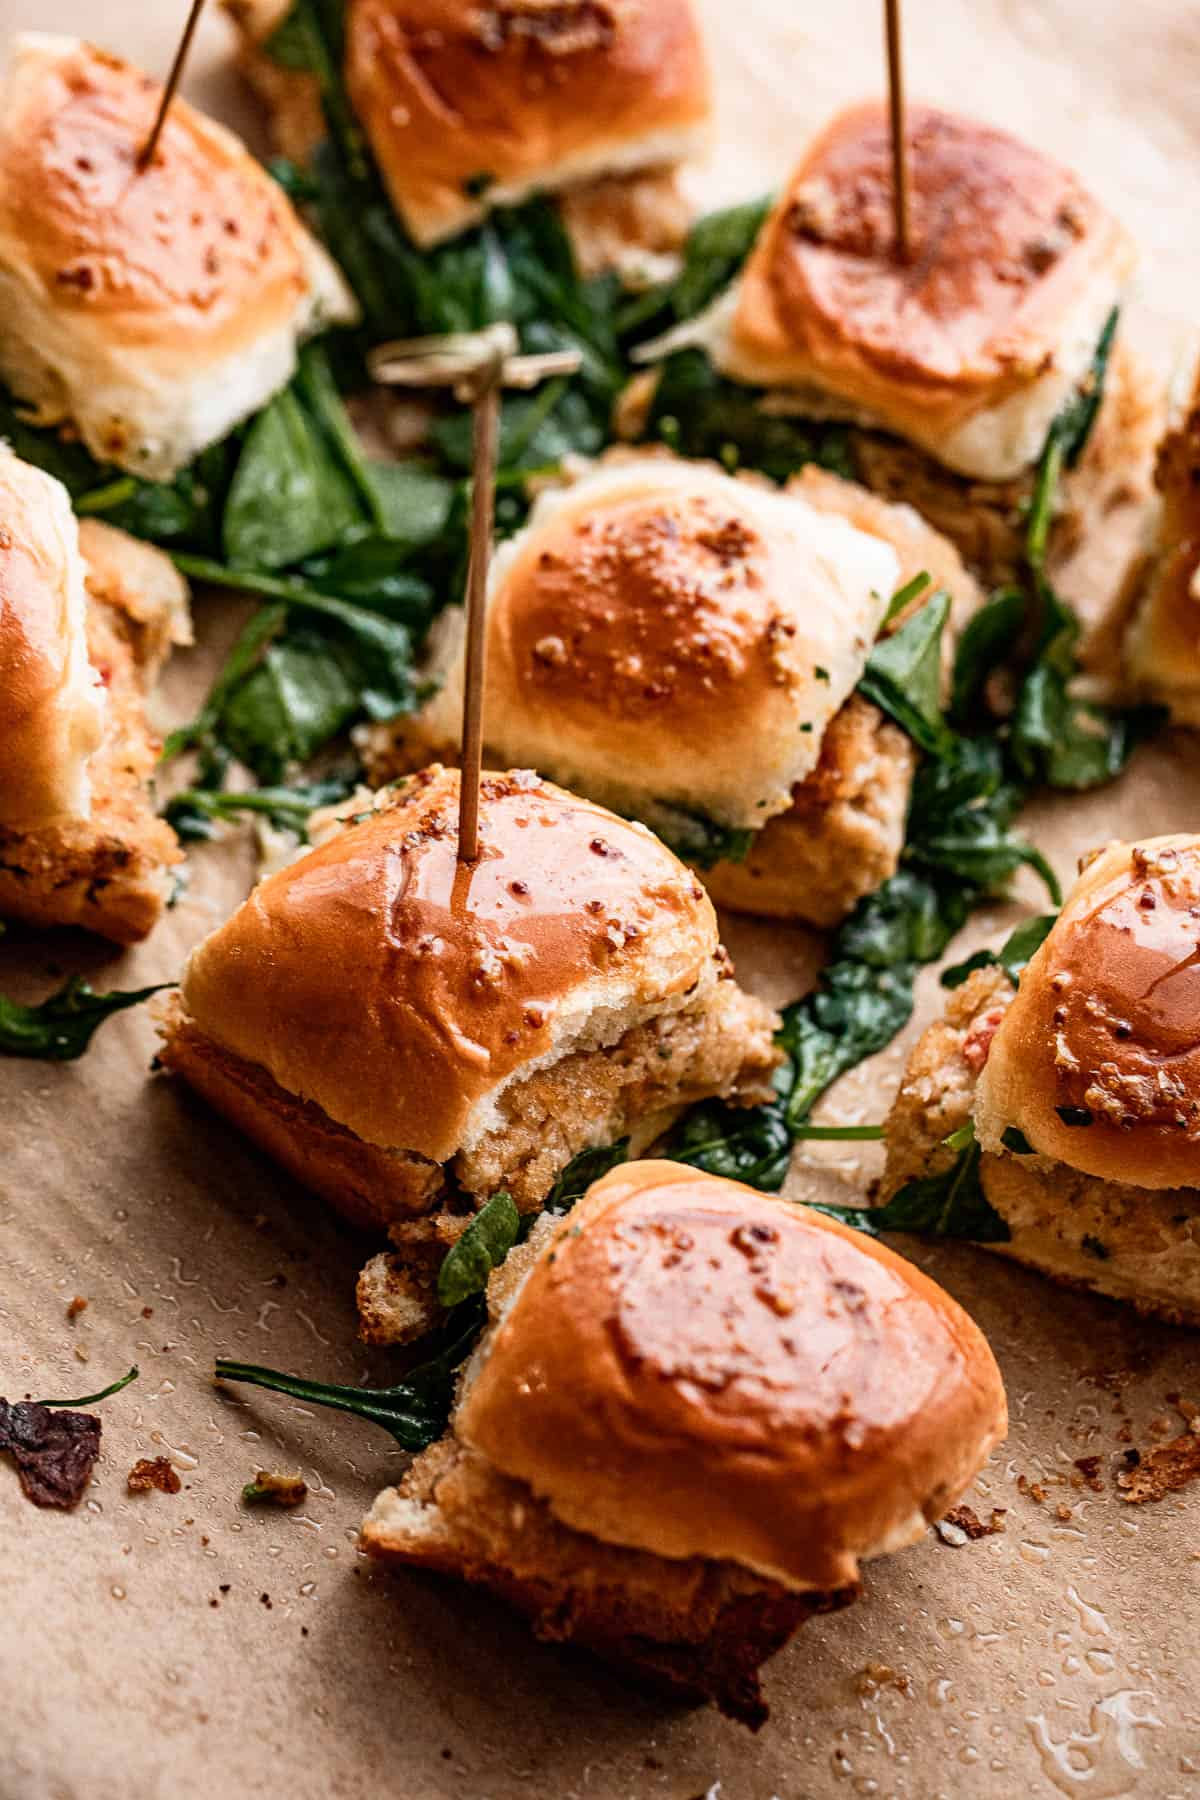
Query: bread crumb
[
  {"x": 1089, "y": 1468},
  {"x": 278, "y": 1490},
  {"x": 874, "y": 1675},
  {"x": 1157, "y": 1473},
  {"x": 965, "y": 1525},
  {"x": 153, "y": 1472}
]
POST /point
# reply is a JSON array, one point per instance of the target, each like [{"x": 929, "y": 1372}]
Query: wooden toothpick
[
  {"x": 146, "y": 153},
  {"x": 895, "y": 62},
  {"x": 476, "y": 365}
]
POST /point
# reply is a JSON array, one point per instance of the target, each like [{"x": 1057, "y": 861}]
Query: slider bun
[
  {"x": 53, "y": 704},
  {"x": 1106, "y": 1025},
  {"x": 1163, "y": 646},
  {"x": 970, "y": 348},
  {"x": 696, "y": 1369},
  {"x": 401, "y": 992},
  {"x": 662, "y": 635},
  {"x": 469, "y": 107},
  {"x": 151, "y": 310}
]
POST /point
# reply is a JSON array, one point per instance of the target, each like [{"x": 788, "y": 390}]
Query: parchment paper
[{"x": 182, "y": 1646}]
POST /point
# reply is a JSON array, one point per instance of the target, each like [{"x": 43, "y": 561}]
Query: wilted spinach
[
  {"x": 60, "y": 1028},
  {"x": 698, "y": 413},
  {"x": 951, "y": 1204},
  {"x": 415, "y": 1410}
]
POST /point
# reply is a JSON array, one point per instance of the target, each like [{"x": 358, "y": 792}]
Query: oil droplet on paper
[{"x": 1102, "y": 1762}]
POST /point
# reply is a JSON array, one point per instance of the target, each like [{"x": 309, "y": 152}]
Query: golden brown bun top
[
  {"x": 457, "y": 98},
  {"x": 664, "y": 633},
  {"x": 693, "y": 1368},
  {"x": 1003, "y": 241},
  {"x": 1097, "y": 1061},
  {"x": 199, "y": 251},
  {"x": 400, "y": 989},
  {"x": 51, "y": 701}
]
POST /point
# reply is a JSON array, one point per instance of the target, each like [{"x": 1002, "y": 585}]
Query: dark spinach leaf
[
  {"x": 699, "y": 413},
  {"x": 196, "y": 812},
  {"x": 903, "y": 675},
  {"x": 415, "y": 1410},
  {"x": 482, "y": 1247},
  {"x": 60, "y": 1028},
  {"x": 1021, "y": 944},
  {"x": 580, "y": 1173},
  {"x": 699, "y": 839},
  {"x": 290, "y": 496},
  {"x": 951, "y": 1204},
  {"x": 717, "y": 246},
  {"x": 1073, "y": 426}
]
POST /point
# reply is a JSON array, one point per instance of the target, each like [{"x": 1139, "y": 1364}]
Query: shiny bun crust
[
  {"x": 156, "y": 308},
  {"x": 1097, "y": 1060},
  {"x": 970, "y": 347},
  {"x": 52, "y": 712},
  {"x": 401, "y": 991},
  {"x": 470, "y": 106},
  {"x": 662, "y": 635},
  {"x": 695, "y": 1369}
]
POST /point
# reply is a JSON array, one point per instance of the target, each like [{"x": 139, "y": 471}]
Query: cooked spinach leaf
[
  {"x": 903, "y": 674},
  {"x": 581, "y": 1171},
  {"x": 1052, "y": 737},
  {"x": 717, "y": 246},
  {"x": 699, "y": 413},
  {"x": 1073, "y": 426},
  {"x": 415, "y": 1410},
  {"x": 290, "y": 496},
  {"x": 196, "y": 812},
  {"x": 697, "y": 838},
  {"x": 60, "y": 1028},
  {"x": 959, "y": 819},
  {"x": 1021, "y": 944},
  {"x": 482, "y": 1247},
  {"x": 951, "y": 1204},
  {"x": 114, "y": 1387}
]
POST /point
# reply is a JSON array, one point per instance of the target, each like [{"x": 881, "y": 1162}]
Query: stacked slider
[
  {"x": 685, "y": 647},
  {"x": 952, "y": 368},
  {"x": 146, "y": 310},
  {"x": 695, "y": 1411},
  {"x": 86, "y": 618},
  {"x": 468, "y": 108},
  {"x": 408, "y": 1034},
  {"x": 1082, "y": 1085}
]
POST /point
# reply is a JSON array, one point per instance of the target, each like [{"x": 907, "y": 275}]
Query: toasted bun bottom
[
  {"x": 1123, "y": 1242},
  {"x": 370, "y": 1187},
  {"x": 698, "y": 1630}
]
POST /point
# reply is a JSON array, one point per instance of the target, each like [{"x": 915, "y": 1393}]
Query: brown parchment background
[{"x": 181, "y": 1646}]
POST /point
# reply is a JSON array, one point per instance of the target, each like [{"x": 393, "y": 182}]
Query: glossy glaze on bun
[
  {"x": 468, "y": 107},
  {"x": 1097, "y": 1061},
  {"x": 661, "y": 635},
  {"x": 401, "y": 991},
  {"x": 695, "y": 1369},
  {"x": 971, "y": 347},
  {"x": 53, "y": 706},
  {"x": 152, "y": 309}
]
